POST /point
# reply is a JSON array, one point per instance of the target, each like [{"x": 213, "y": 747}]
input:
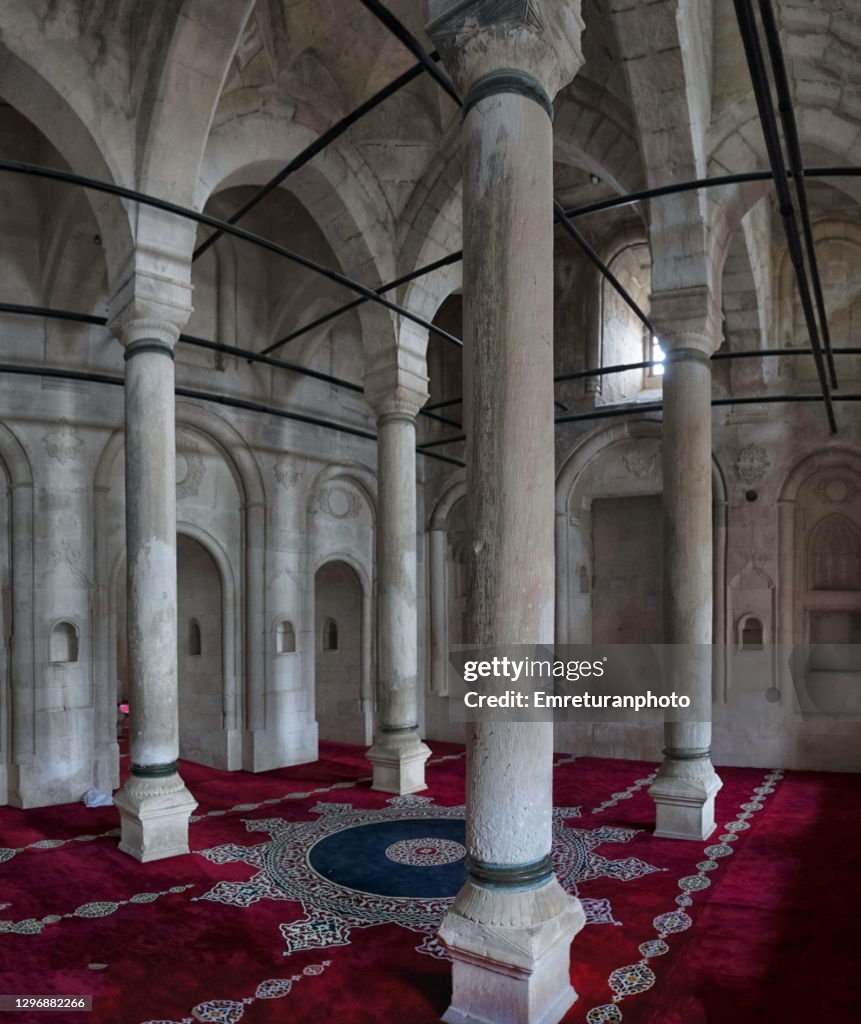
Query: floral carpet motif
[{"x": 401, "y": 864}]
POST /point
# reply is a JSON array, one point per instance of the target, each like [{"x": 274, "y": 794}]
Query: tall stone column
[
  {"x": 686, "y": 784},
  {"x": 510, "y": 928},
  {"x": 154, "y": 804},
  {"x": 398, "y": 755}
]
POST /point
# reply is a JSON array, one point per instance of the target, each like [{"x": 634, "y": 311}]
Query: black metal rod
[
  {"x": 281, "y": 364},
  {"x": 407, "y": 39},
  {"x": 436, "y": 265},
  {"x": 429, "y": 410},
  {"x": 765, "y": 107},
  {"x": 442, "y": 441},
  {"x": 720, "y": 181},
  {"x": 52, "y": 174},
  {"x": 187, "y": 339},
  {"x": 212, "y": 346},
  {"x": 442, "y": 419},
  {"x": 445, "y": 404},
  {"x": 796, "y": 163},
  {"x": 317, "y": 146},
  {"x": 206, "y": 396},
  {"x": 639, "y": 409},
  {"x": 584, "y": 211}
]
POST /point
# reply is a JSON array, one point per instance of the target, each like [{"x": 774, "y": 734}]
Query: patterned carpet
[{"x": 315, "y": 900}]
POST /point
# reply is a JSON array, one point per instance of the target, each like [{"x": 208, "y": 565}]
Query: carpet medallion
[{"x": 401, "y": 864}]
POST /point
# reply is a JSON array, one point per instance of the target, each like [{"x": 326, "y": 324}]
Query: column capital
[
  {"x": 687, "y": 318},
  {"x": 394, "y": 389},
  {"x": 150, "y": 306},
  {"x": 539, "y": 38}
]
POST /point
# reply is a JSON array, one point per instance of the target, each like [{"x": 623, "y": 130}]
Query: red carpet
[{"x": 756, "y": 925}]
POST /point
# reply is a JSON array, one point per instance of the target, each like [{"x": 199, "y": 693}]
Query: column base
[
  {"x": 398, "y": 760},
  {"x": 684, "y": 794},
  {"x": 511, "y": 954},
  {"x": 154, "y": 817}
]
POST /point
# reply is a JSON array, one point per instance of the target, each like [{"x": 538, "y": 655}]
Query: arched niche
[
  {"x": 203, "y": 737},
  {"x": 63, "y": 643},
  {"x": 819, "y": 542},
  {"x": 617, "y": 464},
  {"x": 753, "y": 659},
  {"x": 285, "y": 637},
  {"x": 344, "y": 710},
  {"x": 221, "y": 503}
]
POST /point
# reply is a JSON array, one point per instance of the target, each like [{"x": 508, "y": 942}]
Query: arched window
[
  {"x": 194, "y": 642},
  {"x": 751, "y": 634},
  {"x": 330, "y": 635},
  {"x": 285, "y": 637},
  {"x": 64, "y": 642}
]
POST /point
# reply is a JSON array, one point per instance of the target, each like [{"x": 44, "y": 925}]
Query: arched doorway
[
  {"x": 200, "y": 647},
  {"x": 338, "y": 645}
]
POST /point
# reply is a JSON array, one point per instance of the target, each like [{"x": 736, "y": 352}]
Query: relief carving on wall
[
  {"x": 338, "y": 502},
  {"x": 836, "y": 490},
  {"x": 286, "y": 473},
  {"x": 62, "y": 443},
  {"x": 641, "y": 462},
  {"x": 67, "y": 556},
  {"x": 752, "y": 463},
  {"x": 190, "y": 468}
]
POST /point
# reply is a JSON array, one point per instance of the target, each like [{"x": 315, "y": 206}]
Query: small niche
[
  {"x": 330, "y": 635},
  {"x": 64, "y": 643},
  {"x": 751, "y": 634},
  {"x": 194, "y": 641},
  {"x": 285, "y": 637}
]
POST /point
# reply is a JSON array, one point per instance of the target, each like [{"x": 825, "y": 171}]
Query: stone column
[
  {"x": 686, "y": 784},
  {"x": 437, "y": 543},
  {"x": 154, "y": 804},
  {"x": 398, "y": 755},
  {"x": 511, "y": 926}
]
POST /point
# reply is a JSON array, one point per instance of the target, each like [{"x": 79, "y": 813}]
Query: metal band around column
[
  {"x": 688, "y": 355},
  {"x": 510, "y": 876},
  {"x": 136, "y": 347},
  {"x": 686, "y": 755},
  {"x": 153, "y": 771},
  {"x": 508, "y": 80}
]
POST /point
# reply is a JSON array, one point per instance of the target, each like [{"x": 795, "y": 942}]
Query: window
[
  {"x": 64, "y": 643},
  {"x": 657, "y": 355},
  {"x": 285, "y": 637},
  {"x": 330, "y": 635},
  {"x": 194, "y": 644}
]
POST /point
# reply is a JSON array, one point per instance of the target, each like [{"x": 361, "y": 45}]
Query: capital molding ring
[{"x": 508, "y": 80}]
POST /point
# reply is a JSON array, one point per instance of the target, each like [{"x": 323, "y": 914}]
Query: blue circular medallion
[{"x": 416, "y": 858}]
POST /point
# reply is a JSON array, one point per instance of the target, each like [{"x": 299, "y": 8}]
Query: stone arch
[
  {"x": 826, "y": 230},
  {"x": 584, "y": 455},
  {"x": 735, "y": 145},
  {"x": 232, "y": 703},
  {"x": 78, "y": 122},
  {"x": 824, "y": 483},
  {"x": 19, "y": 727},
  {"x": 618, "y": 160},
  {"x": 245, "y": 470},
  {"x": 366, "y": 685},
  {"x": 338, "y": 190}
]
